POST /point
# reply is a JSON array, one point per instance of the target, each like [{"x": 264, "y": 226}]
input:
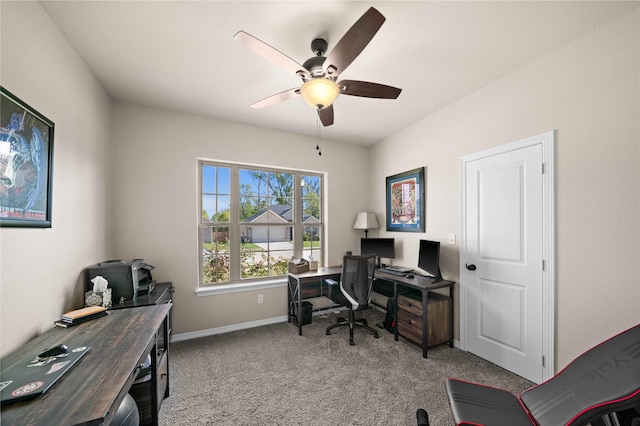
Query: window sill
[{"x": 240, "y": 287}]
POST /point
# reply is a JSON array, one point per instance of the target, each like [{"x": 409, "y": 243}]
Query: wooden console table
[{"x": 91, "y": 391}]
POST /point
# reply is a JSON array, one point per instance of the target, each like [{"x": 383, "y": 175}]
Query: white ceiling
[{"x": 180, "y": 55}]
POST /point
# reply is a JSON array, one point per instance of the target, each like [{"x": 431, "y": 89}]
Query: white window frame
[{"x": 236, "y": 284}]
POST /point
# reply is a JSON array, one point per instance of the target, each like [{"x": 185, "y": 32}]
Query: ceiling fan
[{"x": 319, "y": 73}]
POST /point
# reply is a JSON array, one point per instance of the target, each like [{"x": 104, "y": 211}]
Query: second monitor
[{"x": 381, "y": 247}]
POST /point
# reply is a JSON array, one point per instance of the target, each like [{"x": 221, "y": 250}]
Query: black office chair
[{"x": 356, "y": 285}]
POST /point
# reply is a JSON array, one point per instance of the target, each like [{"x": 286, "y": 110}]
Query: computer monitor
[
  {"x": 429, "y": 258},
  {"x": 381, "y": 247}
]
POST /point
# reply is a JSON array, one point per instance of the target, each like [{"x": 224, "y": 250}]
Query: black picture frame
[
  {"x": 405, "y": 201},
  {"x": 26, "y": 164}
]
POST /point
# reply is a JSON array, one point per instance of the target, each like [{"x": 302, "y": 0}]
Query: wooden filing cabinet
[{"x": 438, "y": 319}]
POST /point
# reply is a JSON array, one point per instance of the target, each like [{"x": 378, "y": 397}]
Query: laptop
[{"x": 32, "y": 377}]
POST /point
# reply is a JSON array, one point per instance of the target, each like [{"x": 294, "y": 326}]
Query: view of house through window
[{"x": 254, "y": 220}]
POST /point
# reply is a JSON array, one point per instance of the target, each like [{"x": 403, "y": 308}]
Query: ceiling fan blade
[
  {"x": 368, "y": 90},
  {"x": 269, "y": 53},
  {"x": 277, "y": 98},
  {"x": 353, "y": 42},
  {"x": 326, "y": 115}
]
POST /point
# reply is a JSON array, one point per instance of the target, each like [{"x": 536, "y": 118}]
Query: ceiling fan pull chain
[{"x": 318, "y": 133}]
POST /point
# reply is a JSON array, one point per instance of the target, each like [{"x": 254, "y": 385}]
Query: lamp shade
[
  {"x": 319, "y": 92},
  {"x": 366, "y": 220}
]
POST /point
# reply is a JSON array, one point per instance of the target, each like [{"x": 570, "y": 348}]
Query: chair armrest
[{"x": 334, "y": 293}]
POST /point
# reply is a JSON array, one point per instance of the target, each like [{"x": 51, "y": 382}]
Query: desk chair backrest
[{"x": 356, "y": 282}]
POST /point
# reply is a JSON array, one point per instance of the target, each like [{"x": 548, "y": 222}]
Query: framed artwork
[
  {"x": 405, "y": 201},
  {"x": 26, "y": 164}
]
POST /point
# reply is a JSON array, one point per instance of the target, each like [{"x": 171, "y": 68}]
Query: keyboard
[
  {"x": 399, "y": 269},
  {"x": 395, "y": 271}
]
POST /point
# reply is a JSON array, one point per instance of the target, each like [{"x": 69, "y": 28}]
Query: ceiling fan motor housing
[
  {"x": 314, "y": 65},
  {"x": 319, "y": 46}
]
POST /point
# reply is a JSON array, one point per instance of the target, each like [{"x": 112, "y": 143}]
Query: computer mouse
[
  {"x": 409, "y": 276},
  {"x": 53, "y": 351}
]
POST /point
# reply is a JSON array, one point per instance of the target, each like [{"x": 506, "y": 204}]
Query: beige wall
[
  {"x": 40, "y": 268},
  {"x": 125, "y": 181},
  {"x": 156, "y": 198},
  {"x": 589, "y": 92}
]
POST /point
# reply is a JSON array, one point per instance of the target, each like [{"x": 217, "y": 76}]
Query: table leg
[
  {"x": 425, "y": 330},
  {"x": 451, "y": 310},
  {"x": 299, "y": 316},
  {"x": 395, "y": 309}
]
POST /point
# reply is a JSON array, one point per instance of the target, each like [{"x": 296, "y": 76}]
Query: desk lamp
[{"x": 366, "y": 221}]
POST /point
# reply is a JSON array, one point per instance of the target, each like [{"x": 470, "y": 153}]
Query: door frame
[{"x": 547, "y": 141}]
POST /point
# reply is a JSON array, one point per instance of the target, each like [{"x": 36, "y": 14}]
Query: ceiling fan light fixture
[{"x": 319, "y": 92}]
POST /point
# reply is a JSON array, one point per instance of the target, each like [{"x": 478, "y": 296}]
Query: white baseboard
[
  {"x": 243, "y": 326},
  {"x": 226, "y": 329}
]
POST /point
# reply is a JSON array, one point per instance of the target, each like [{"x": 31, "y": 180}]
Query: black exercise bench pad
[
  {"x": 474, "y": 404},
  {"x": 605, "y": 378},
  {"x": 602, "y": 380}
]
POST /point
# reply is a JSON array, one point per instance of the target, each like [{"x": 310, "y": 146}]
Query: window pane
[
  {"x": 215, "y": 208},
  {"x": 280, "y": 213},
  {"x": 215, "y": 254},
  {"x": 310, "y": 212},
  {"x": 216, "y": 187},
  {"x": 312, "y": 243},
  {"x": 311, "y": 199},
  {"x": 257, "y": 182},
  {"x": 224, "y": 180},
  {"x": 281, "y": 187},
  {"x": 311, "y": 186},
  {"x": 266, "y": 251}
]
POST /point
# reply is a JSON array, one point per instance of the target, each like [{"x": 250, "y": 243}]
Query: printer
[{"x": 127, "y": 280}]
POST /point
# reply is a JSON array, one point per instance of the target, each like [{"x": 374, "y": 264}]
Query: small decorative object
[
  {"x": 298, "y": 266},
  {"x": 405, "y": 201},
  {"x": 313, "y": 264},
  {"x": 26, "y": 175},
  {"x": 98, "y": 298}
]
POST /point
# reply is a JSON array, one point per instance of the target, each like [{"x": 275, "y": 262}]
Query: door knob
[{"x": 471, "y": 267}]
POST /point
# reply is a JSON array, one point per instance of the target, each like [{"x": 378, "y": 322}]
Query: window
[{"x": 253, "y": 220}]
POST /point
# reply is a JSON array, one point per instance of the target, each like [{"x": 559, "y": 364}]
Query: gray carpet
[{"x": 271, "y": 376}]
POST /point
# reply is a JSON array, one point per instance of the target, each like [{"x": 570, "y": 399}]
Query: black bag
[{"x": 390, "y": 319}]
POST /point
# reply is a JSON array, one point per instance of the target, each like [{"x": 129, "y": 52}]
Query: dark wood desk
[
  {"x": 424, "y": 285},
  {"x": 91, "y": 392}
]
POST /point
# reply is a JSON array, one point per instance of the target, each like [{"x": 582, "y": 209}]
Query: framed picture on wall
[
  {"x": 405, "y": 201},
  {"x": 26, "y": 164}
]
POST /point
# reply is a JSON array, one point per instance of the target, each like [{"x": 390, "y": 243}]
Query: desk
[
  {"x": 424, "y": 285},
  {"x": 91, "y": 391},
  {"x": 296, "y": 283}
]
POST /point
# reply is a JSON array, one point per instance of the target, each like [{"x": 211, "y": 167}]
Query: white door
[{"x": 504, "y": 272}]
